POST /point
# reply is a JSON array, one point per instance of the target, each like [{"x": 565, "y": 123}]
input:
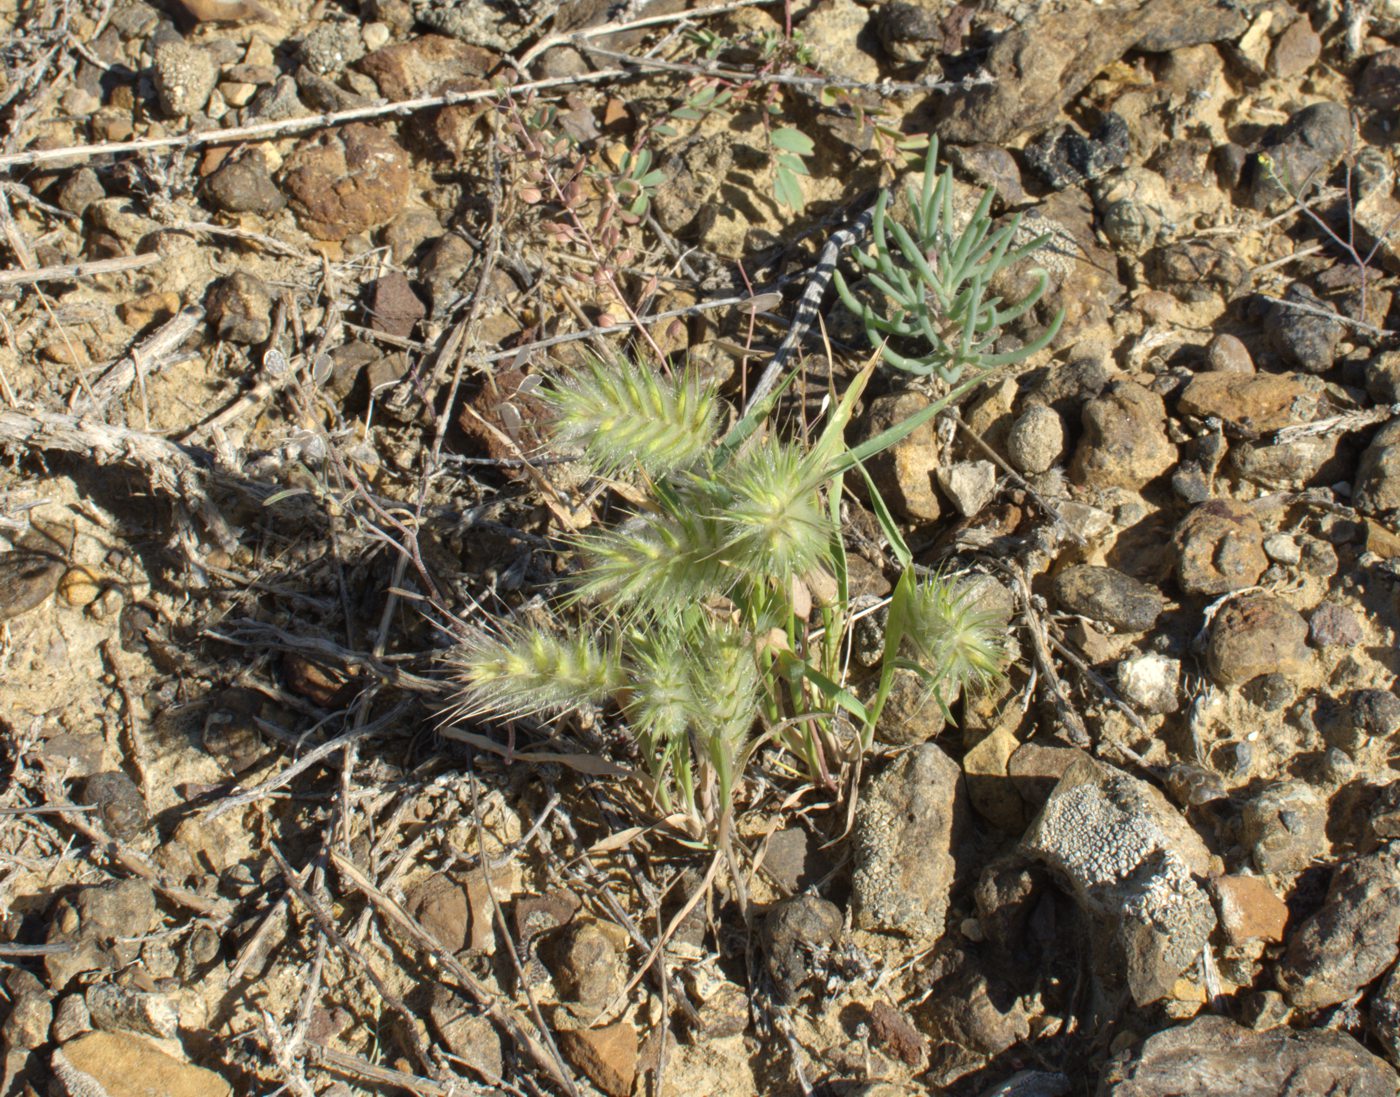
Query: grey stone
[
  {"x": 910, "y": 819},
  {"x": 1283, "y": 827},
  {"x": 1299, "y": 155},
  {"x": 1151, "y": 681},
  {"x": 331, "y": 47},
  {"x": 70, "y": 1019},
  {"x": 276, "y": 102},
  {"x": 970, "y": 485},
  {"x": 1352, "y": 940},
  {"x": 1036, "y": 440},
  {"x": 184, "y": 76},
  {"x": 1304, "y": 339},
  {"x": 244, "y": 185},
  {"x": 1131, "y": 862},
  {"x": 115, "y": 1008},
  {"x": 1215, "y": 1056},
  {"x": 1063, "y": 157},
  {"x": 1108, "y": 596},
  {"x": 79, "y": 190}
]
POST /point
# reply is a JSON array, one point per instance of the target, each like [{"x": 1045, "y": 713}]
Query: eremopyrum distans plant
[
  {"x": 937, "y": 278},
  {"x": 714, "y": 617}
]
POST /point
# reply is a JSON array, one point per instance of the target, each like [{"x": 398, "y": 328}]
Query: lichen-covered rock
[
  {"x": 1385, "y": 1014},
  {"x": 348, "y": 180},
  {"x": 909, "y": 821},
  {"x": 1353, "y": 939},
  {"x": 185, "y": 76},
  {"x": 1131, "y": 862},
  {"x": 1214, "y": 1055}
]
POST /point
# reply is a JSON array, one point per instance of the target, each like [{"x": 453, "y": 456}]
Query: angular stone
[
  {"x": 1151, "y": 681},
  {"x": 608, "y": 1056},
  {"x": 904, "y": 473},
  {"x": 1352, "y": 940},
  {"x": 910, "y": 819},
  {"x": 1249, "y": 909}
]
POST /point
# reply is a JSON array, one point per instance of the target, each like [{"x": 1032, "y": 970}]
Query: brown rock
[
  {"x": 1295, "y": 51},
  {"x": 1255, "y": 401},
  {"x": 1257, "y": 634},
  {"x": 1377, "y": 485},
  {"x": 1219, "y": 548},
  {"x": 1039, "y": 66},
  {"x": 346, "y": 181},
  {"x": 440, "y": 905},
  {"x": 608, "y": 1056},
  {"x": 904, "y": 473},
  {"x": 393, "y": 306},
  {"x": 1125, "y": 439},
  {"x": 1249, "y": 909},
  {"x": 118, "y": 1064},
  {"x": 427, "y": 65},
  {"x": 1227, "y": 353}
]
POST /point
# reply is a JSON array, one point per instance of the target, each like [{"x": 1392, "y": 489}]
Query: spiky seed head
[
  {"x": 773, "y": 521},
  {"x": 626, "y": 415},
  {"x": 724, "y": 683},
  {"x": 661, "y": 705},
  {"x": 531, "y": 671},
  {"x": 958, "y": 640},
  {"x": 657, "y": 562}
]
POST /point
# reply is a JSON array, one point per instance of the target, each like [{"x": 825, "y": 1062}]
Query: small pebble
[
  {"x": 1334, "y": 625},
  {"x": 1227, "y": 354},
  {"x": 1282, "y": 549}
]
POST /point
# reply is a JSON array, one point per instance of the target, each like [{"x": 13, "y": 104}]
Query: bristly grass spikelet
[
  {"x": 531, "y": 671},
  {"x": 627, "y": 415},
  {"x": 773, "y": 521},
  {"x": 953, "y": 636},
  {"x": 659, "y": 562}
]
